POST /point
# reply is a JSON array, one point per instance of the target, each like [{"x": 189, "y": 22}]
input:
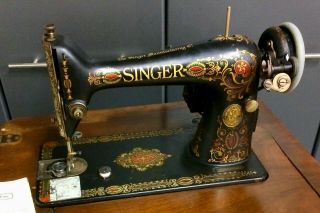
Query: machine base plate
[{"x": 143, "y": 163}]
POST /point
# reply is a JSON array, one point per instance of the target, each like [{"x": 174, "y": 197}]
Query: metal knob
[
  {"x": 77, "y": 109},
  {"x": 280, "y": 83},
  {"x": 251, "y": 105},
  {"x": 105, "y": 172},
  {"x": 78, "y": 113}
]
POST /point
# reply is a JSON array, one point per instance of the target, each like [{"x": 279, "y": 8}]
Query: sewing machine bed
[{"x": 143, "y": 163}]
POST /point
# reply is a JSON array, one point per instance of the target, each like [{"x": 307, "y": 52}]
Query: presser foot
[
  {"x": 61, "y": 167},
  {"x": 76, "y": 166}
]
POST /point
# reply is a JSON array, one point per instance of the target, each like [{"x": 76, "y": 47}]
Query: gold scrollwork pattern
[
  {"x": 128, "y": 136},
  {"x": 104, "y": 76},
  {"x": 167, "y": 183},
  {"x": 141, "y": 159},
  {"x": 234, "y": 72},
  {"x": 57, "y": 101},
  {"x": 231, "y": 145},
  {"x": 151, "y": 54},
  {"x": 238, "y": 38},
  {"x": 67, "y": 82}
]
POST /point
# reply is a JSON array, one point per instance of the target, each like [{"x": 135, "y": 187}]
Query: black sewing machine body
[
  {"x": 218, "y": 74},
  {"x": 221, "y": 80}
]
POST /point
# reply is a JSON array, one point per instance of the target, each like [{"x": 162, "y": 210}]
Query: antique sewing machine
[{"x": 221, "y": 79}]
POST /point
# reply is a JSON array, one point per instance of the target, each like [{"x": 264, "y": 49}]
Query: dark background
[{"x": 108, "y": 29}]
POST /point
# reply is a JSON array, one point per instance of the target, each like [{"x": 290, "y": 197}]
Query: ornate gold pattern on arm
[
  {"x": 238, "y": 38},
  {"x": 67, "y": 82},
  {"x": 234, "y": 72},
  {"x": 57, "y": 101},
  {"x": 104, "y": 76}
]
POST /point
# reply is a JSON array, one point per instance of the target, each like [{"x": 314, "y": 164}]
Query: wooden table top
[{"x": 294, "y": 176}]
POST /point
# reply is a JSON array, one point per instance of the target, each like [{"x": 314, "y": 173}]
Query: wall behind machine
[
  {"x": 113, "y": 28},
  {"x": 103, "y": 29}
]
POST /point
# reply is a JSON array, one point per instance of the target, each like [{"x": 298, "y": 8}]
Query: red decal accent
[
  {"x": 196, "y": 69},
  {"x": 44, "y": 199},
  {"x": 111, "y": 76},
  {"x": 143, "y": 158},
  {"x": 242, "y": 67},
  {"x": 232, "y": 140}
]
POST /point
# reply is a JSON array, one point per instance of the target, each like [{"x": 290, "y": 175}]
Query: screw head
[
  {"x": 267, "y": 84},
  {"x": 282, "y": 82},
  {"x": 78, "y": 113},
  {"x": 50, "y": 32}
]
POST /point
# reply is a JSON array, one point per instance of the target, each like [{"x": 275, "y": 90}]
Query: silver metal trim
[
  {"x": 312, "y": 55},
  {"x": 27, "y": 65}
]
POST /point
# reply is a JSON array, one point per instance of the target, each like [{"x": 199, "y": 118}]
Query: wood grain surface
[{"x": 294, "y": 176}]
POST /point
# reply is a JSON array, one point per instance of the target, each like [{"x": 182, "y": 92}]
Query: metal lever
[
  {"x": 34, "y": 64},
  {"x": 27, "y": 65}
]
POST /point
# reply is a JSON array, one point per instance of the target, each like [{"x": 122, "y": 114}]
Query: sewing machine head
[
  {"x": 221, "y": 79},
  {"x": 221, "y": 76}
]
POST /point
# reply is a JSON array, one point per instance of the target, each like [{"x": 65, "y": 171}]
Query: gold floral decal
[
  {"x": 234, "y": 72},
  {"x": 231, "y": 144},
  {"x": 104, "y": 76},
  {"x": 167, "y": 183},
  {"x": 141, "y": 159}
]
